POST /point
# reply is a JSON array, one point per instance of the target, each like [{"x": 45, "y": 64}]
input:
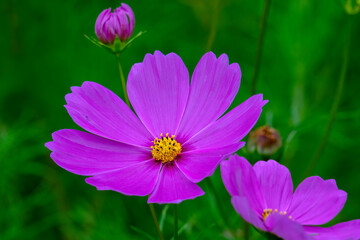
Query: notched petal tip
[
  {"x": 158, "y": 88},
  {"x": 157, "y": 53},
  {"x": 270, "y": 162},
  {"x": 235, "y": 67},
  {"x": 224, "y": 59},
  {"x": 209, "y": 55},
  {"x": 74, "y": 89},
  {"x": 264, "y": 102},
  {"x": 258, "y": 99},
  {"x": 241, "y": 144},
  {"x": 50, "y": 145},
  {"x": 316, "y": 201},
  {"x": 124, "y": 5},
  {"x": 89, "y": 83}
]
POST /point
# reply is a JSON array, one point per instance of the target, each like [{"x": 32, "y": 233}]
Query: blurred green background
[{"x": 44, "y": 53}]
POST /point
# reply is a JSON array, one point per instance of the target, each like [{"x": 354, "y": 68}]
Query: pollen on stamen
[
  {"x": 266, "y": 213},
  {"x": 165, "y": 149},
  {"x": 269, "y": 211}
]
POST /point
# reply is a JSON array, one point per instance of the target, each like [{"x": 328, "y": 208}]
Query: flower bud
[
  {"x": 119, "y": 23},
  {"x": 265, "y": 140}
]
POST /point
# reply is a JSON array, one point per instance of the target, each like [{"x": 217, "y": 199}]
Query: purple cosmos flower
[
  {"x": 176, "y": 138},
  {"x": 121, "y": 23},
  {"x": 263, "y": 196}
]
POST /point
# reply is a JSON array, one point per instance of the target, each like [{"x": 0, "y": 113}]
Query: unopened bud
[
  {"x": 265, "y": 140},
  {"x": 119, "y": 23}
]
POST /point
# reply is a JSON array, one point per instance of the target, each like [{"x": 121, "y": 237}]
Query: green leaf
[{"x": 163, "y": 217}]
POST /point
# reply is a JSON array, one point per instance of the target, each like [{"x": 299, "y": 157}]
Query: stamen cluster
[
  {"x": 269, "y": 211},
  {"x": 165, "y": 149}
]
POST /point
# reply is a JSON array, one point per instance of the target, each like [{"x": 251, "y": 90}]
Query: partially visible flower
[
  {"x": 176, "y": 138},
  {"x": 265, "y": 140},
  {"x": 263, "y": 196},
  {"x": 119, "y": 23}
]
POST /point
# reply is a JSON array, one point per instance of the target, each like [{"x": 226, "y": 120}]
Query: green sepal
[{"x": 117, "y": 46}]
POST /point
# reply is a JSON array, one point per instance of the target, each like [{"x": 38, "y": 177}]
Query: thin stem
[
  {"x": 175, "y": 222},
  {"x": 218, "y": 201},
  {"x": 123, "y": 82},
  {"x": 214, "y": 24},
  {"x": 246, "y": 229},
  {"x": 219, "y": 204},
  {"x": 334, "y": 107},
  {"x": 156, "y": 221},
  {"x": 260, "y": 45}
]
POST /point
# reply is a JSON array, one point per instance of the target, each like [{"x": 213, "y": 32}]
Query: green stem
[
  {"x": 218, "y": 201},
  {"x": 219, "y": 205},
  {"x": 175, "y": 222},
  {"x": 246, "y": 229},
  {"x": 123, "y": 82},
  {"x": 156, "y": 221},
  {"x": 334, "y": 107},
  {"x": 260, "y": 44},
  {"x": 214, "y": 24}
]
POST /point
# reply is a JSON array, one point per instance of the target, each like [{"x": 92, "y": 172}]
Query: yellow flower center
[
  {"x": 269, "y": 211},
  {"x": 165, "y": 149}
]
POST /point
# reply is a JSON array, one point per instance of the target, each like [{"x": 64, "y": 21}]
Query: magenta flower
[
  {"x": 263, "y": 196},
  {"x": 176, "y": 138},
  {"x": 121, "y": 23}
]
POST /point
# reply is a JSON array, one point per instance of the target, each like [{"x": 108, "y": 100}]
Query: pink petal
[
  {"x": 316, "y": 201},
  {"x": 196, "y": 165},
  {"x": 158, "y": 89},
  {"x": 243, "y": 208},
  {"x": 276, "y": 184},
  {"x": 125, "y": 21},
  {"x": 174, "y": 187},
  {"x": 229, "y": 169},
  {"x": 124, "y": 29},
  {"x": 87, "y": 154},
  {"x": 99, "y": 22},
  {"x": 214, "y": 85},
  {"x": 285, "y": 228},
  {"x": 130, "y": 13},
  {"x": 341, "y": 231},
  {"x": 139, "y": 179},
  {"x": 230, "y": 128},
  {"x": 99, "y": 111},
  {"x": 240, "y": 180}
]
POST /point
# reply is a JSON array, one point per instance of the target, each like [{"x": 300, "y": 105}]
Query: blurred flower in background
[
  {"x": 352, "y": 7},
  {"x": 263, "y": 196},
  {"x": 119, "y": 23},
  {"x": 266, "y": 140}
]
